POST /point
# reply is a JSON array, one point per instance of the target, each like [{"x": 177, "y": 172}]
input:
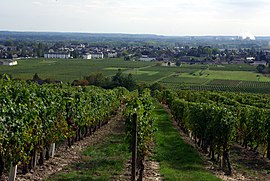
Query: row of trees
[{"x": 118, "y": 80}]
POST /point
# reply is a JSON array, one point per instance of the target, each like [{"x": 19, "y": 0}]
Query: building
[
  {"x": 8, "y": 62},
  {"x": 250, "y": 59},
  {"x": 256, "y": 63},
  {"x": 112, "y": 54},
  {"x": 97, "y": 55},
  {"x": 57, "y": 55},
  {"x": 168, "y": 64},
  {"x": 87, "y": 56},
  {"x": 147, "y": 59}
]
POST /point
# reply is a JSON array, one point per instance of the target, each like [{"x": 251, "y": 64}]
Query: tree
[
  {"x": 178, "y": 63},
  {"x": 40, "y": 50},
  {"x": 82, "y": 82},
  {"x": 36, "y": 77},
  {"x": 118, "y": 79},
  {"x": 261, "y": 69},
  {"x": 216, "y": 51},
  {"x": 156, "y": 86},
  {"x": 130, "y": 83}
]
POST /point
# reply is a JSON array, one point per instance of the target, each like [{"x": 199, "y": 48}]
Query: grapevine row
[
  {"x": 33, "y": 117},
  {"x": 217, "y": 120},
  {"x": 139, "y": 124}
]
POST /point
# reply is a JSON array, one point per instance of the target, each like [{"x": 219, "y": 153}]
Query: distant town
[{"x": 168, "y": 52}]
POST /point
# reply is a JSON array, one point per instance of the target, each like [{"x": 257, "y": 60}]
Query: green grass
[
  {"x": 69, "y": 70},
  {"x": 234, "y": 67},
  {"x": 140, "y": 72},
  {"x": 178, "y": 161},
  {"x": 227, "y": 75},
  {"x": 100, "y": 162},
  {"x": 185, "y": 80}
]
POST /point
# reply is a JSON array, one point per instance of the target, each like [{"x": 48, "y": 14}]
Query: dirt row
[
  {"x": 151, "y": 172},
  {"x": 65, "y": 156}
]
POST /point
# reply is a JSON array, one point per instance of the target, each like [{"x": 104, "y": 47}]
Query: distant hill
[
  {"x": 128, "y": 38},
  {"x": 54, "y": 36}
]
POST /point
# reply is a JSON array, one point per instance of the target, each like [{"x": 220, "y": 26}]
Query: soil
[
  {"x": 151, "y": 172},
  {"x": 65, "y": 156},
  {"x": 247, "y": 165}
]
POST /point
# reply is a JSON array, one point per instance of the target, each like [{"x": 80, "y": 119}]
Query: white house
[
  {"x": 97, "y": 55},
  {"x": 9, "y": 62},
  {"x": 112, "y": 54},
  {"x": 147, "y": 59},
  {"x": 87, "y": 56},
  {"x": 165, "y": 64},
  {"x": 57, "y": 55},
  {"x": 256, "y": 63},
  {"x": 250, "y": 59}
]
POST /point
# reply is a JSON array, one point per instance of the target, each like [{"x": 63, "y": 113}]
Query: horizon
[
  {"x": 123, "y": 33},
  {"x": 170, "y": 18}
]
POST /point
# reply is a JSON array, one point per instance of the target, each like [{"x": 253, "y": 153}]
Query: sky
[{"x": 162, "y": 17}]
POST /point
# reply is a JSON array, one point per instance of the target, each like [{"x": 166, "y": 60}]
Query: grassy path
[
  {"x": 178, "y": 160},
  {"x": 100, "y": 162},
  {"x": 162, "y": 78}
]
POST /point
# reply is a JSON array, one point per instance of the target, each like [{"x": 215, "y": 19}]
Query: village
[{"x": 167, "y": 56}]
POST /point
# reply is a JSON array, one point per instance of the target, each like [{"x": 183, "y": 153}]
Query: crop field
[
  {"x": 185, "y": 80},
  {"x": 239, "y": 78},
  {"x": 68, "y": 70}
]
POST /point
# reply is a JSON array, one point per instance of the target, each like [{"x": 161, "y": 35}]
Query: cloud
[
  {"x": 244, "y": 4},
  {"x": 36, "y": 3}
]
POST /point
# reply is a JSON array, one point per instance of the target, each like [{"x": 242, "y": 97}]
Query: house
[
  {"x": 168, "y": 64},
  {"x": 87, "y": 56},
  {"x": 250, "y": 59},
  {"x": 112, "y": 54},
  {"x": 256, "y": 63},
  {"x": 8, "y": 62},
  {"x": 57, "y": 55},
  {"x": 97, "y": 55},
  {"x": 147, "y": 59}
]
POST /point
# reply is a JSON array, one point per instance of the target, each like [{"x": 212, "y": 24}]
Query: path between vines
[
  {"x": 247, "y": 165},
  {"x": 66, "y": 156}
]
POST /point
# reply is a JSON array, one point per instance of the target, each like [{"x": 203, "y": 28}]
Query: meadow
[{"x": 237, "y": 78}]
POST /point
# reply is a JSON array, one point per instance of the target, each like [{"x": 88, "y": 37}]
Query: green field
[
  {"x": 68, "y": 70},
  {"x": 199, "y": 77}
]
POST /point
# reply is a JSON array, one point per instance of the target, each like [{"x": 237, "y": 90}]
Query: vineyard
[
  {"x": 200, "y": 84},
  {"x": 34, "y": 118},
  {"x": 216, "y": 120}
]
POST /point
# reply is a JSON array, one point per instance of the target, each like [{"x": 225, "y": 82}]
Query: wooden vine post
[
  {"x": 12, "y": 172},
  {"x": 134, "y": 147}
]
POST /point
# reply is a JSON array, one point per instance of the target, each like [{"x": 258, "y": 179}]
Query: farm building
[
  {"x": 256, "y": 63},
  {"x": 57, "y": 55},
  {"x": 168, "y": 64},
  {"x": 250, "y": 59},
  {"x": 87, "y": 56},
  {"x": 97, "y": 55},
  {"x": 147, "y": 59},
  {"x": 112, "y": 54},
  {"x": 8, "y": 62}
]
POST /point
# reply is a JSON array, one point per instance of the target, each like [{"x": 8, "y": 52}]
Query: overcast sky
[{"x": 164, "y": 17}]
